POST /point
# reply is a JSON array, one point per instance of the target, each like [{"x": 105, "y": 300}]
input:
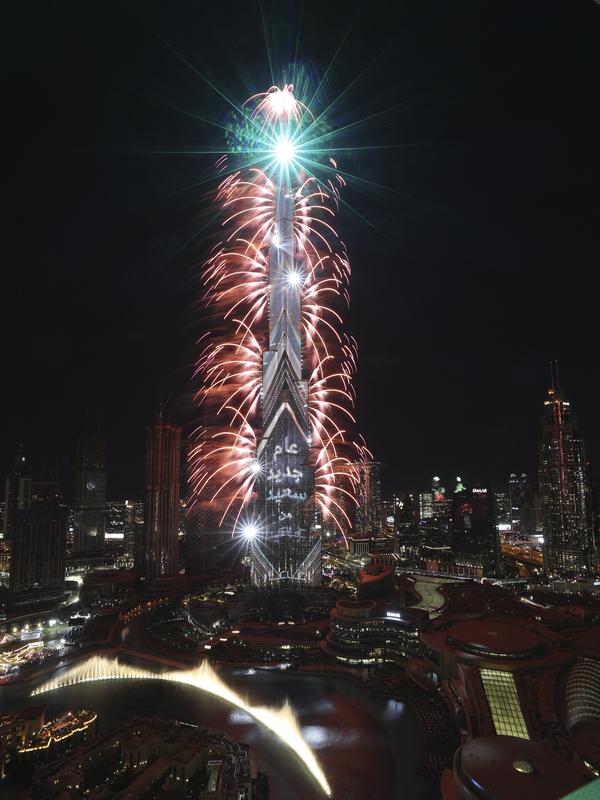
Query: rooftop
[
  {"x": 493, "y": 636},
  {"x": 506, "y": 766}
]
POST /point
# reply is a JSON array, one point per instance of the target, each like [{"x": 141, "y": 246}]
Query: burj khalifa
[
  {"x": 271, "y": 464},
  {"x": 284, "y": 547}
]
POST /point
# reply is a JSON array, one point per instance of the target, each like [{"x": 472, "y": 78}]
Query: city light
[
  {"x": 250, "y": 531},
  {"x": 282, "y": 721}
]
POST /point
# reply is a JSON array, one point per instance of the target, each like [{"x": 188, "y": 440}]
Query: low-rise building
[
  {"x": 152, "y": 757},
  {"x": 366, "y": 632}
]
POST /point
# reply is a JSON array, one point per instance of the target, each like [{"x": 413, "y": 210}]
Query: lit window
[{"x": 503, "y": 700}]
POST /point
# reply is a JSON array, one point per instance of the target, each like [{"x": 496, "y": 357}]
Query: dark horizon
[{"x": 471, "y": 227}]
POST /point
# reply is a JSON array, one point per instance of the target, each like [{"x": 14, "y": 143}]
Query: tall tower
[
  {"x": 90, "y": 499},
  {"x": 483, "y": 538},
  {"x": 522, "y": 506},
  {"x": 368, "y": 521},
  {"x": 17, "y": 492},
  {"x": 282, "y": 546},
  {"x": 160, "y": 552},
  {"x": 272, "y": 456},
  {"x": 564, "y": 491},
  {"x": 37, "y": 569}
]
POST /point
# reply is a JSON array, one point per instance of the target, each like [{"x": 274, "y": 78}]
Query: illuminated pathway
[{"x": 281, "y": 721}]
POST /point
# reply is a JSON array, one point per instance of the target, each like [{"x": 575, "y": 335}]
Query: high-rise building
[
  {"x": 159, "y": 555},
  {"x": 474, "y": 528},
  {"x": 369, "y": 507},
  {"x": 123, "y": 519},
  {"x": 38, "y": 549},
  {"x": 285, "y": 547},
  {"x": 462, "y": 513},
  {"x": 438, "y": 528},
  {"x": 503, "y": 511},
  {"x": 17, "y": 491},
  {"x": 425, "y": 506},
  {"x": 483, "y": 540},
  {"x": 276, "y": 430},
  {"x": 90, "y": 499},
  {"x": 522, "y": 505},
  {"x": 564, "y": 491}
]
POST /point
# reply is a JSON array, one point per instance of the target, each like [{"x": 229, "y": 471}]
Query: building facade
[
  {"x": 160, "y": 552},
  {"x": 38, "y": 548},
  {"x": 369, "y": 508},
  {"x": 363, "y": 632},
  {"x": 564, "y": 491},
  {"x": 124, "y": 520},
  {"x": 284, "y": 545},
  {"x": 522, "y": 505},
  {"x": 17, "y": 492},
  {"x": 90, "y": 499},
  {"x": 484, "y": 541}
]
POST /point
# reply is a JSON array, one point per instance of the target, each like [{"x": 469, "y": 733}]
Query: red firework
[{"x": 223, "y": 462}]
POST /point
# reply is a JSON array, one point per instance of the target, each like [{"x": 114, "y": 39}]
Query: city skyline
[
  {"x": 425, "y": 323},
  {"x": 61, "y": 466},
  {"x": 299, "y": 430}
]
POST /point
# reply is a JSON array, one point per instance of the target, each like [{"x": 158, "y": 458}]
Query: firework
[{"x": 277, "y": 214}]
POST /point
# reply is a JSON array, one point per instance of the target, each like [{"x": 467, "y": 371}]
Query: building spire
[
  {"x": 554, "y": 375},
  {"x": 162, "y": 405}
]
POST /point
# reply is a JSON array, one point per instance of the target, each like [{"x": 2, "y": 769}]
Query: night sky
[{"x": 472, "y": 130}]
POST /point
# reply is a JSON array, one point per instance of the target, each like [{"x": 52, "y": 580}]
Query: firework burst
[{"x": 224, "y": 466}]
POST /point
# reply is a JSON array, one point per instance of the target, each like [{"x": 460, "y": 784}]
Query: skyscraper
[
  {"x": 159, "y": 555},
  {"x": 17, "y": 492},
  {"x": 38, "y": 545},
  {"x": 522, "y": 505},
  {"x": 483, "y": 540},
  {"x": 368, "y": 512},
  {"x": 474, "y": 527},
  {"x": 564, "y": 491},
  {"x": 283, "y": 547},
  {"x": 439, "y": 527},
  {"x": 121, "y": 522},
  {"x": 90, "y": 499},
  {"x": 276, "y": 432},
  {"x": 503, "y": 511}
]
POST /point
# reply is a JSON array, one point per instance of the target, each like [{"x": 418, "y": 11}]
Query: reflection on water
[
  {"x": 368, "y": 747},
  {"x": 319, "y": 737},
  {"x": 281, "y": 720},
  {"x": 393, "y": 710},
  {"x": 239, "y": 717},
  {"x": 322, "y": 705}
]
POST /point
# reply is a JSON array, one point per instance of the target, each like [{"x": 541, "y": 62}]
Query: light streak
[
  {"x": 281, "y": 721},
  {"x": 229, "y": 369}
]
